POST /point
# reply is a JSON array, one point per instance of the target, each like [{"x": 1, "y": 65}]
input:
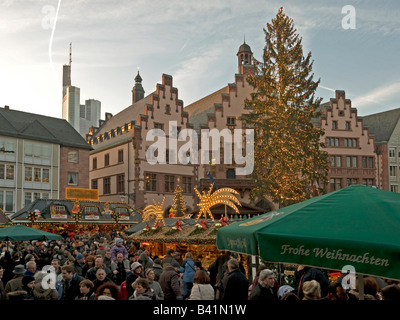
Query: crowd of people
[{"x": 107, "y": 267}]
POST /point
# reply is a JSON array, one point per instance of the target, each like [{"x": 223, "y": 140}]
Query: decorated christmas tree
[
  {"x": 287, "y": 150},
  {"x": 179, "y": 206}
]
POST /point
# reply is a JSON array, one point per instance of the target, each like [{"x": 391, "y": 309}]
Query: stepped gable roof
[
  {"x": 382, "y": 124},
  {"x": 25, "y": 125},
  {"x": 198, "y": 110}
]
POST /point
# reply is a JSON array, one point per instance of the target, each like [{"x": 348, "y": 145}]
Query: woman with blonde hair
[{"x": 311, "y": 290}]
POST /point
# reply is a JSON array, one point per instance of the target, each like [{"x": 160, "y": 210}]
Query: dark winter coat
[
  {"x": 170, "y": 285},
  {"x": 71, "y": 288},
  {"x": 236, "y": 286},
  {"x": 262, "y": 293}
]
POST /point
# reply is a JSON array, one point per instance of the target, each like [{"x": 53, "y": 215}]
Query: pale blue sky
[{"x": 194, "y": 41}]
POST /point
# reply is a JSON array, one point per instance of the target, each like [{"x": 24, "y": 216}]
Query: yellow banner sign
[{"x": 81, "y": 194}]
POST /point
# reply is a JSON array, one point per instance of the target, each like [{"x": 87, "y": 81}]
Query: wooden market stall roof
[
  {"x": 44, "y": 208},
  {"x": 4, "y": 218},
  {"x": 192, "y": 232}
]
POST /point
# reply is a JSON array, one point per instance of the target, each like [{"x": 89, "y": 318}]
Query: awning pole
[{"x": 361, "y": 286}]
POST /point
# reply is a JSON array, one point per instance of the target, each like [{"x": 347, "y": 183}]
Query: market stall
[{"x": 77, "y": 216}]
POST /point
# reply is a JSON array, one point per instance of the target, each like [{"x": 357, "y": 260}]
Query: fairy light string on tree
[{"x": 287, "y": 152}]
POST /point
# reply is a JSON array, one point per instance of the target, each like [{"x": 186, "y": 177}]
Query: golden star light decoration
[
  {"x": 155, "y": 210},
  {"x": 224, "y": 196}
]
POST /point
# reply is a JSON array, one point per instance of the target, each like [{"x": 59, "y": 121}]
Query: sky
[{"x": 195, "y": 42}]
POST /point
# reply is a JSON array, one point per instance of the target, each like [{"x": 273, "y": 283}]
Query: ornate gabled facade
[
  {"x": 349, "y": 144},
  {"x": 223, "y": 109},
  {"x": 120, "y": 167}
]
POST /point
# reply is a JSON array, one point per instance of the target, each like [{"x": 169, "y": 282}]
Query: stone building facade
[{"x": 350, "y": 145}]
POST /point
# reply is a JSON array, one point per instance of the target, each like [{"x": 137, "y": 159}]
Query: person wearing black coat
[
  {"x": 303, "y": 274},
  {"x": 237, "y": 284},
  {"x": 265, "y": 290},
  {"x": 71, "y": 281}
]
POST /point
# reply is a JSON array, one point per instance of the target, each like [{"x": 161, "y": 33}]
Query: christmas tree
[
  {"x": 179, "y": 206},
  {"x": 287, "y": 150}
]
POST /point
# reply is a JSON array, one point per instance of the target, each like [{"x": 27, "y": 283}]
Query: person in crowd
[
  {"x": 16, "y": 282},
  {"x": 284, "y": 290},
  {"x": 311, "y": 290},
  {"x": 44, "y": 290},
  {"x": 150, "y": 276},
  {"x": 86, "y": 290},
  {"x": 101, "y": 278},
  {"x": 136, "y": 272},
  {"x": 3, "y": 295},
  {"x": 265, "y": 289},
  {"x": 26, "y": 290},
  {"x": 71, "y": 281},
  {"x": 145, "y": 260},
  {"x": 371, "y": 290},
  {"x": 8, "y": 266},
  {"x": 107, "y": 258},
  {"x": 202, "y": 289},
  {"x": 120, "y": 269},
  {"x": 303, "y": 274},
  {"x": 157, "y": 267},
  {"x": 336, "y": 292},
  {"x": 30, "y": 268},
  {"x": 255, "y": 280},
  {"x": 169, "y": 282},
  {"x": 88, "y": 265},
  {"x": 98, "y": 264},
  {"x": 79, "y": 264},
  {"x": 108, "y": 289},
  {"x": 169, "y": 257},
  {"x": 237, "y": 284},
  {"x": 188, "y": 271},
  {"x": 391, "y": 292},
  {"x": 118, "y": 247},
  {"x": 143, "y": 289}
]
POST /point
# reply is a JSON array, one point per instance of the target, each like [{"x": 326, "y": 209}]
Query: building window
[
  {"x": 73, "y": 178},
  {"x": 45, "y": 175},
  {"x": 332, "y": 161},
  {"x": 348, "y": 161},
  {"x": 187, "y": 184},
  {"x": 9, "y": 172},
  {"x": 95, "y": 184},
  {"x": 37, "y": 176},
  {"x": 107, "y": 185},
  {"x": 348, "y": 125},
  {"x": 336, "y": 142},
  {"x": 392, "y": 171},
  {"x": 121, "y": 183},
  {"x": 94, "y": 163},
  {"x": 394, "y": 188},
  {"x": 338, "y": 161},
  {"x": 28, "y": 173},
  {"x": 334, "y": 125},
  {"x": 364, "y": 162},
  {"x": 370, "y": 162},
  {"x": 336, "y": 184},
  {"x": 354, "y": 161},
  {"x": 168, "y": 109},
  {"x": 7, "y": 201},
  {"x": 169, "y": 183},
  {"x": 327, "y": 141},
  {"x": 158, "y": 126},
  {"x": 151, "y": 182},
  {"x": 354, "y": 143},
  {"x": 107, "y": 160},
  {"x": 120, "y": 156},
  {"x": 230, "y": 121},
  {"x": 391, "y": 152},
  {"x": 73, "y": 156}
]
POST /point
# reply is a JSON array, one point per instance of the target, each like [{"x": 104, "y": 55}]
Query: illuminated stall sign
[{"x": 91, "y": 212}]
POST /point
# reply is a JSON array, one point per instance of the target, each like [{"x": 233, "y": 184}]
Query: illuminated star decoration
[
  {"x": 154, "y": 210},
  {"x": 224, "y": 196}
]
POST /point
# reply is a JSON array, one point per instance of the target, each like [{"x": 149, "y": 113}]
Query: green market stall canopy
[
  {"x": 69, "y": 211},
  {"x": 23, "y": 233},
  {"x": 357, "y": 226}
]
